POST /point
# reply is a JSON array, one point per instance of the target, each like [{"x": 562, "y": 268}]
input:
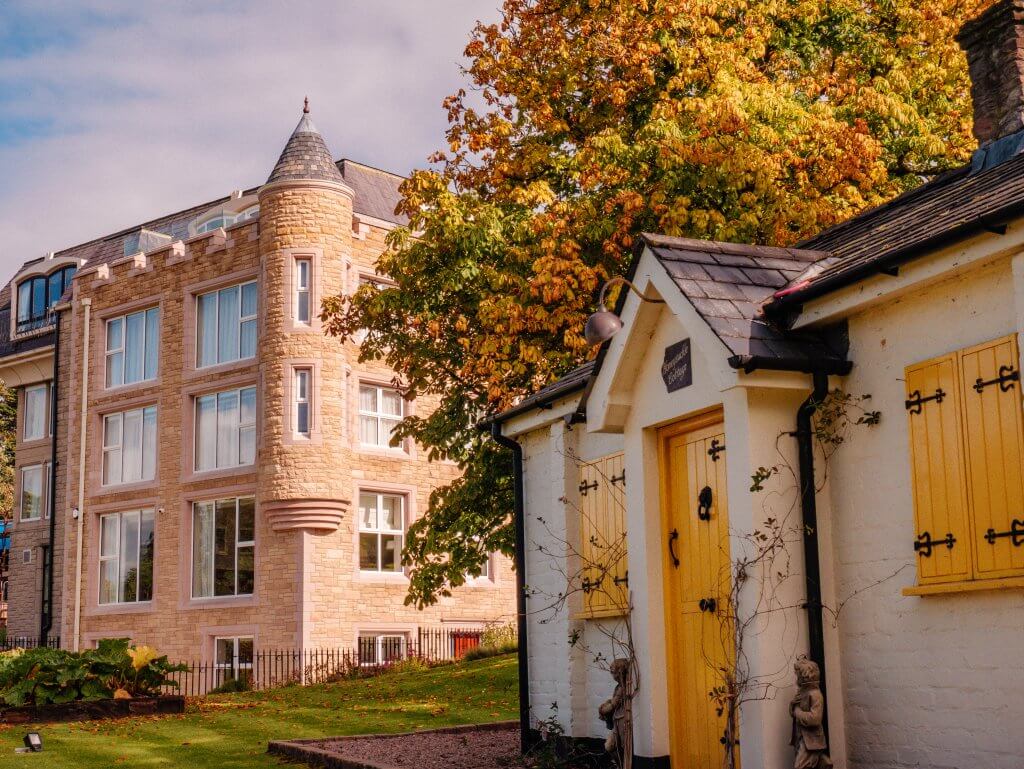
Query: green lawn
[{"x": 233, "y": 730}]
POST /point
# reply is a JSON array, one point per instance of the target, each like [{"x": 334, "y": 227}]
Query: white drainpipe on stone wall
[{"x": 87, "y": 304}]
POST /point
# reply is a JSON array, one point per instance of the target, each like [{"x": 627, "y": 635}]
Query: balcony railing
[{"x": 33, "y": 324}]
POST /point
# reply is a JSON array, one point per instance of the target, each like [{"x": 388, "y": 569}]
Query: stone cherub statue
[
  {"x": 808, "y": 711},
  {"x": 617, "y": 714}
]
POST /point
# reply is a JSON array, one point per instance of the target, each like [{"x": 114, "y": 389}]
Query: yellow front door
[{"x": 700, "y": 641}]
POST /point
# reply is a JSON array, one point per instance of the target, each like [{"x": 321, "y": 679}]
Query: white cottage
[{"x": 704, "y": 435}]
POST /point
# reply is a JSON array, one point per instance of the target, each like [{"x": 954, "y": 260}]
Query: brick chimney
[{"x": 994, "y": 43}]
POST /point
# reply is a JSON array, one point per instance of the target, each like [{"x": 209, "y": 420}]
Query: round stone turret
[{"x": 305, "y": 239}]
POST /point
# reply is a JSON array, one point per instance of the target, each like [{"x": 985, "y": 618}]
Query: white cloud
[{"x": 154, "y": 107}]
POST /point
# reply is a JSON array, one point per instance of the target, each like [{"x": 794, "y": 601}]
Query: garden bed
[
  {"x": 90, "y": 710},
  {"x": 483, "y": 746}
]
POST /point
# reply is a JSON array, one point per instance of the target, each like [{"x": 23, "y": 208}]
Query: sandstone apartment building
[{"x": 199, "y": 467}]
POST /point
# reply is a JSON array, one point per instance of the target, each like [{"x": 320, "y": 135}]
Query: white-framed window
[
  {"x": 33, "y": 488},
  {"x": 126, "y": 557},
  {"x": 223, "y": 547},
  {"x": 303, "y": 275},
  {"x": 303, "y": 399},
  {"x": 226, "y": 325},
  {"x": 211, "y": 224},
  {"x": 233, "y": 658},
  {"x": 226, "y": 219},
  {"x": 37, "y": 412},
  {"x": 380, "y": 411},
  {"x": 381, "y": 531},
  {"x": 225, "y": 426},
  {"x": 381, "y": 648},
  {"x": 133, "y": 347},
  {"x": 129, "y": 446}
]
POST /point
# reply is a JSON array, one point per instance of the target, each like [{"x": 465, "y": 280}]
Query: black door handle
[
  {"x": 671, "y": 550},
  {"x": 704, "y": 501},
  {"x": 708, "y": 604}
]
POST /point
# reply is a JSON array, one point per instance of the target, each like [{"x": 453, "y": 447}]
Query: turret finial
[{"x": 305, "y": 106}]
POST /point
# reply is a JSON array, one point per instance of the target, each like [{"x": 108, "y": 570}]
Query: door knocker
[{"x": 704, "y": 501}]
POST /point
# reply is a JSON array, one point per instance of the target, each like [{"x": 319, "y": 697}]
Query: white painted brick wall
[{"x": 930, "y": 681}]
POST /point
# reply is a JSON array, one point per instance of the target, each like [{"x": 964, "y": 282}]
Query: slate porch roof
[{"x": 728, "y": 282}]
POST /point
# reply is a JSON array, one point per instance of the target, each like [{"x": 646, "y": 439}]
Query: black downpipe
[
  {"x": 525, "y": 739},
  {"x": 46, "y": 602},
  {"x": 809, "y": 509}
]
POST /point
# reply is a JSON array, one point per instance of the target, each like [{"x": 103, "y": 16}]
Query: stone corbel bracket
[{"x": 319, "y": 516}]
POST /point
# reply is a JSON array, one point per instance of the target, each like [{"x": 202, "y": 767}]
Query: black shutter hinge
[
  {"x": 1016, "y": 534},
  {"x": 584, "y": 487},
  {"x": 916, "y": 400},
  {"x": 925, "y": 544},
  {"x": 1007, "y": 376}
]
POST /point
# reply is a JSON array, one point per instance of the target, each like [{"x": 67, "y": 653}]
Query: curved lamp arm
[
  {"x": 604, "y": 324},
  {"x": 621, "y": 280}
]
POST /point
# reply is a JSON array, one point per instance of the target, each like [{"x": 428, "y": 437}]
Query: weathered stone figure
[
  {"x": 808, "y": 711},
  {"x": 618, "y": 716}
]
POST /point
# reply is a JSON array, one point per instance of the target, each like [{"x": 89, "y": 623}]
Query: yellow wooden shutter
[
  {"x": 603, "y": 537},
  {"x": 940, "y": 501},
  {"x": 993, "y": 437}
]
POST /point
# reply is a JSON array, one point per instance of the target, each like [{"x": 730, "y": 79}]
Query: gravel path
[{"x": 470, "y": 749}]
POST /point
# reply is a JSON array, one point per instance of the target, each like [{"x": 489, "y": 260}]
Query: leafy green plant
[{"x": 51, "y": 676}]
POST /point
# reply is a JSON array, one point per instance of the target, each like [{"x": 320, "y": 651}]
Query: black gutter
[
  {"x": 526, "y": 741},
  {"x": 809, "y": 510},
  {"x": 828, "y": 283},
  {"x": 46, "y": 602},
  {"x": 749, "y": 363}
]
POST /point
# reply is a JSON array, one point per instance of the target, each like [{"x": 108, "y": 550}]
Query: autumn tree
[{"x": 585, "y": 122}]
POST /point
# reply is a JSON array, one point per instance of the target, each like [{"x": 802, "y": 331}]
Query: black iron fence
[
  {"x": 8, "y": 642},
  {"x": 240, "y": 665},
  {"x": 244, "y": 667}
]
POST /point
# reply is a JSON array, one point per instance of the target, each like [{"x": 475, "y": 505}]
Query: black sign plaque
[{"x": 676, "y": 369}]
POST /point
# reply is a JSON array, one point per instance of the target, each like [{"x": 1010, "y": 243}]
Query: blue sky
[{"x": 113, "y": 112}]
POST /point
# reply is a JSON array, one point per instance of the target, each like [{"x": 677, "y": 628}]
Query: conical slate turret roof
[{"x": 306, "y": 156}]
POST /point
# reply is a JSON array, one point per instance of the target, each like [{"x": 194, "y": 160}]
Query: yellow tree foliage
[{"x": 586, "y": 122}]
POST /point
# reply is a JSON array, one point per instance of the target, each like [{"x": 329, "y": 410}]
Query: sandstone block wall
[{"x": 309, "y": 590}]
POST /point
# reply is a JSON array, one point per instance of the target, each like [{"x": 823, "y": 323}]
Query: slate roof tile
[
  {"x": 735, "y": 260},
  {"x": 721, "y": 290},
  {"x": 725, "y": 274},
  {"x": 760, "y": 277},
  {"x": 686, "y": 270}
]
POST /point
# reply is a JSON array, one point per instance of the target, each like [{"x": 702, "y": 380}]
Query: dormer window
[
  {"x": 223, "y": 218},
  {"x": 36, "y": 295}
]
